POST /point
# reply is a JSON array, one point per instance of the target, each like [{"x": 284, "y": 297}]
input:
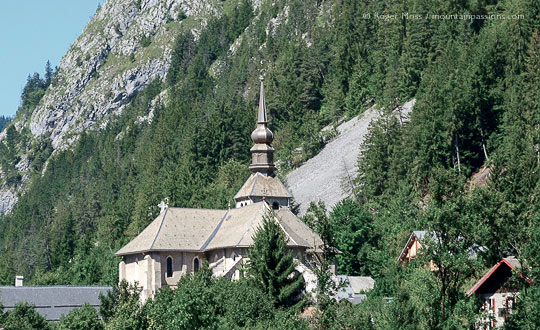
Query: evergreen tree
[
  {"x": 4, "y": 121},
  {"x": 84, "y": 318},
  {"x": 272, "y": 266},
  {"x": 23, "y": 317},
  {"x": 49, "y": 73}
]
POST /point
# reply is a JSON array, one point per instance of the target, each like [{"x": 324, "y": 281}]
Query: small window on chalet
[
  {"x": 169, "y": 267},
  {"x": 195, "y": 265},
  {"x": 275, "y": 205}
]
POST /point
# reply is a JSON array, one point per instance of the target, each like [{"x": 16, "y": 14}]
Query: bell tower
[
  {"x": 262, "y": 153},
  {"x": 263, "y": 184}
]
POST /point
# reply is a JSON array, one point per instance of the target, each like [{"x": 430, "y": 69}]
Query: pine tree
[
  {"x": 48, "y": 73},
  {"x": 272, "y": 266},
  {"x": 3, "y": 122}
]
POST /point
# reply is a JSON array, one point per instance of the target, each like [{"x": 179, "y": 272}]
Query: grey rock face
[
  {"x": 326, "y": 176},
  {"x": 125, "y": 46},
  {"x": 109, "y": 64},
  {"x": 8, "y": 198}
]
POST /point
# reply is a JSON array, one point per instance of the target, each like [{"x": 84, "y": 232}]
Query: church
[{"x": 179, "y": 240}]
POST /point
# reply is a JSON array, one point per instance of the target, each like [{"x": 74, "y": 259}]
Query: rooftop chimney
[{"x": 19, "y": 280}]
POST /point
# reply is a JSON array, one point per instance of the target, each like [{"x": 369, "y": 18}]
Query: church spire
[
  {"x": 262, "y": 153},
  {"x": 262, "y": 106}
]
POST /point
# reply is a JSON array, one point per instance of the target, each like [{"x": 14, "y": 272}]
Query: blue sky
[{"x": 32, "y": 32}]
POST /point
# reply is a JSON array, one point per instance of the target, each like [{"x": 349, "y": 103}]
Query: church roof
[
  {"x": 261, "y": 185},
  {"x": 175, "y": 229},
  {"x": 179, "y": 229}
]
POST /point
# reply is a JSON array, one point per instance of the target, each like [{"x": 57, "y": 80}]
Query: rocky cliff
[{"x": 125, "y": 46}]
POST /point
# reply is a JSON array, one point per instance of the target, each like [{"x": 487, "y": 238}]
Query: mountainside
[
  {"x": 157, "y": 100},
  {"x": 329, "y": 176},
  {"x": 126, "y": 45}
]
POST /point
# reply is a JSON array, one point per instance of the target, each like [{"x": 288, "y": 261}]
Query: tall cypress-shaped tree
[{"x": 271, "y": 264}]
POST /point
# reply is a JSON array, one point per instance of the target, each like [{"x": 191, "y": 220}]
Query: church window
[
  {"x": 195, "y": 264},
  {"x": 169, "y": 267},
  {"x": 275, "y": 205}
]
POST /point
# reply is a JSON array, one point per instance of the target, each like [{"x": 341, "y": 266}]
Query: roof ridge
[
  {"x": 195, "y": 208},
  {"x": 285, "y": 187},
  {"x": 286, "y": 233},
  {"x": 287, "y": 210},
  {"x": 213, "y": 234},
  {"x": 250, "y": 225},
  {"x": 254, "y": 183},
  {"x": 159, "y": 229}
]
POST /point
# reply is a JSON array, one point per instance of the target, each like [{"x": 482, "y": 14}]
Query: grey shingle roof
[
  {"x": 348, "y": 292},
  {"x": 260, "y": 185},
  {"x": 52, "y": 301},
  {"x": 361, "y": 283},
  {"x": 179, "y": 229}
]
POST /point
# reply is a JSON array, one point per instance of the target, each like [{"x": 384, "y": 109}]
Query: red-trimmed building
[{"x": 497, "y": 291}]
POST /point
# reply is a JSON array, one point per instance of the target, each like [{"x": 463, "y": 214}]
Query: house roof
[
  {"x": 510, "y": 262},
  {"x": 418, "y": 235},
  {"x": 260, "y": 185},
  {"x": 352, "y": 292},
  {"x": 361, "y": 283},
  {"x": 179, "y": 229},
  {"x": 52, "y": 301},
  {"x": 422, "y": 236}
]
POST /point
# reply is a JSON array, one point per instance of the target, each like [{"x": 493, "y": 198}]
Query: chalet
[
  {"x": 421, "y": 238},
  {"x": 497, "y": 291},
  {"x": 413, "y": 245}
]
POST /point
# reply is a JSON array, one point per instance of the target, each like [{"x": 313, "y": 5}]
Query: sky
[{"x": 32, "y": 32}]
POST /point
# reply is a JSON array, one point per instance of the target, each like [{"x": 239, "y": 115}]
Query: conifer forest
[{"x": 464, "y": 167}]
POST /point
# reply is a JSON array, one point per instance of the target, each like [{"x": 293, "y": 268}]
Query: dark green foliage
[
  {"x": 122, "y": 308},
  {"x": 199, "y": 301},
  {"x": 354, "y": 237},
  {"x": 23, "y": 317},
  {"x": 84, "y": 318},
  {"x": 271, "y": 264},
  {"x": 477, "y": 108},
  {"x": 34, "y": 90},
  {"x": 4, "y": 121},
  {"x": 527, "y": 314},
  {"x": 181, "y": 15},
  {"x": 349, "y": 229},
  {"x": 243, "y": 302},
  {"x": 145, "y": 41}
]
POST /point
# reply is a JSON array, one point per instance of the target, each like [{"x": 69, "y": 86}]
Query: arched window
[
  {"x": 169, "y": 267},
  {"x": 275, "y": 205},
  {"x": 195, "y": 264}
]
